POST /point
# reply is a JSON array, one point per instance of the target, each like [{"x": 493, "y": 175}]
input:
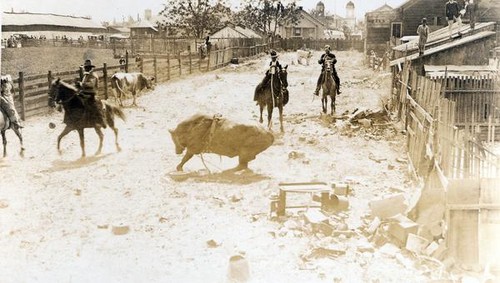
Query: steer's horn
[{"x": 171, "y": 131}]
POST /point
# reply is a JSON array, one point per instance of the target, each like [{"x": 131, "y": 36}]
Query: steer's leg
[{"x": 184, "y": 160}]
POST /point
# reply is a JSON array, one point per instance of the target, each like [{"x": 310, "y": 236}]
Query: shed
[
  {"x": 143, "y": 28},
  {"x": 307, "y": 27},
  {"x": 49, "y": 25},
  {"x": 378, "y": 28}
]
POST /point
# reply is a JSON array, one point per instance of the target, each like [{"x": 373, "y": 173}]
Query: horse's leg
[
  {"x": 82, "y": 141},
  {"x": 4, "y": 140},
  {"x": 280, "y": 107},
  {"x": 20, "y": 136},
  {"x": 61, "y": 135},
  {"x": 184, "y": 160},
  {"x": 333, "y": 100},
  {"x": 261, "y": 107},
  {"x": 134, "y": 94},
  {"x": 324, "y": 102},
  {"x": 101, "y": 137},
  {"x": 269, "y": 114}
]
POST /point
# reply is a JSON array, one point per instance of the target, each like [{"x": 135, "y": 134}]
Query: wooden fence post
[
  {"x": 168, "y": 66},
  {"x": 49, "y": 77},
  {"x": 190, "y": 62},
  {"x": 155, "y": 68},
  {"x": 80, "y": 73},
  {"x": 126, "y": 61},
  {"x": 180, "y": 65},
  {"x": 21, "y": 95},
  {"x": 208, "y": 61},
  {"x": 105, "y": 77}
]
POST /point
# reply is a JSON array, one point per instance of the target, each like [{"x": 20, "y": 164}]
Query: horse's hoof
[
  {"x": 59, "y": 151},
  {"x": 118, "y": 148},
  {"x": 97, "y": 152},
  {"x": 179, "y": 169}
]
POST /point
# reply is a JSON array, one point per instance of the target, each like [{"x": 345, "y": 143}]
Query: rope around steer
[{"x": 209, "y": 135}]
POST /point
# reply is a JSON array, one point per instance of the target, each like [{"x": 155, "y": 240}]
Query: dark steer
[{"x": 206, "y": 134}]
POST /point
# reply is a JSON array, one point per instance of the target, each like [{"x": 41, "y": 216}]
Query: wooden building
[
  {"x": 143, "y": 28},
  {"x": 49, "y": 26},
  {"x": 378, "y": 28},
  {"x": 307, "y": 27},
  {"x": 410, "y": 14}
]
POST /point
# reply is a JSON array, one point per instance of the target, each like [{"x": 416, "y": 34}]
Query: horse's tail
[{"x": 112, "y": 110}]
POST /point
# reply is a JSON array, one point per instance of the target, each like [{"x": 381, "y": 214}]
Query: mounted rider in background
[
  {"x": 330, "y": 56},
  {"x": 88, "y": 90}
]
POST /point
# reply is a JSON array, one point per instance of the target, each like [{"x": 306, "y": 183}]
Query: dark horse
[
  {"x": 4, "y": 126},
  {"x": 273, "y": 94},
  {"x": 77, "y": 116},
  {"x": 329, "y": 86}
]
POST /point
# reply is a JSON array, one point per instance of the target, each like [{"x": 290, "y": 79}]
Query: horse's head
[
  {"x": 328, "y": 65},
  {"x": 284, "y": 76},
  {"x": 179, "y": 147},
  {"x": 60, "y": 92}
]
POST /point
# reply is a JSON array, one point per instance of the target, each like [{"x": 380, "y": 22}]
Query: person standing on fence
[
  {"x": 7, "y": 101},
  {"x": 470, "y": 10},
  {"x": 453, "y": 15},
  {"x": 122, "y": 62},
  {"x": 321, "y": 61},
  {"x": 88, "y": 90},
  {"x": 208, "y": 44},
  {"x": 423, "y": 33}
]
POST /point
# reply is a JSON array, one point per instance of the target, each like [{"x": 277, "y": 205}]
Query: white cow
[{"x": 304, "y": 54}]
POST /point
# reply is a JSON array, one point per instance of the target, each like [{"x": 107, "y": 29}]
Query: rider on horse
[
  {"x": 7, "y": 102},
  {"x": 321, "y": 61},
  {"x": 274, "y": 68},
  {"x": 88, "y": 90}
]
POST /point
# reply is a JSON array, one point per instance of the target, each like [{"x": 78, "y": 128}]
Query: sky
[{"x": 107, "y": 10}]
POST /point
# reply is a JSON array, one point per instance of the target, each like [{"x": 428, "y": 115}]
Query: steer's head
[
  {"x": 179, "y": 147},
  {"x": 150, "y": 83}
]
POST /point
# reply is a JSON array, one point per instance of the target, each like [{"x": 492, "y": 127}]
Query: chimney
[{"x": 147, "y": 14}]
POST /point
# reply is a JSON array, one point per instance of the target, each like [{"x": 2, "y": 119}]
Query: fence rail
[
  {"x": 434, "y": 138},
  {"x": 31, "y": 92}
]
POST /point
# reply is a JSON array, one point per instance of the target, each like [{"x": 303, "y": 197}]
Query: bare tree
[
  {"x": 266, "y": 16},
  {"x": 195, "y": 17}
]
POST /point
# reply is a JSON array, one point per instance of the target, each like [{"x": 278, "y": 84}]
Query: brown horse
[
  {"x": 77, "y": 115},
  {"x": 329, "y": 86},
  {"x": 272, "y": 95}
]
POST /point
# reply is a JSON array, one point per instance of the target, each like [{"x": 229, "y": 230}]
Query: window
[
  {"x": 297, "y": 31},
  {"x": 396, "y": 30}
]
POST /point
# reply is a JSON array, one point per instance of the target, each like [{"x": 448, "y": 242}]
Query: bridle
[{"x": 57, "y": 98}]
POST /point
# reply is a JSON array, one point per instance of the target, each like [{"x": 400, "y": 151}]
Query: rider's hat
[
  {"x": 274, "y": 54},
  {"x": 88, "y": 63},
  {"x": 327, "y": 47}
]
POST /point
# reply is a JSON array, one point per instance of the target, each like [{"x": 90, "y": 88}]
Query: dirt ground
[{"x": 57, "y": 212}]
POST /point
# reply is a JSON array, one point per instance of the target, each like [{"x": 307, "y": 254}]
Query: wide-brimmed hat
[
  {"x": 424, "y": 20},
  {"x": 327, "y": 47},
  {"x": 273, "y": 54},
  {"x": 88, "y": 63}
]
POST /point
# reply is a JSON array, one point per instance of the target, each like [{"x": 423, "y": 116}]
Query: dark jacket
[
  {"x": 330, "y": 55},
  {"x": 452, "y": 10},
  {"x": 278, "y": 66}
]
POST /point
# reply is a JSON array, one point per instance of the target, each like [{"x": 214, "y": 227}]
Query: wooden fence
[
  {"x": 434, "y": 139},
  {"x": 31, "y": 92},
  {"x": 319, "y": 44}
]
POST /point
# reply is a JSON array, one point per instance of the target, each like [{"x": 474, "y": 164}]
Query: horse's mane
[{"x": 68, "y": 86}]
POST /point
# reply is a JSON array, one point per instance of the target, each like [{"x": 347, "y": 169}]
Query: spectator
[
  {"x": 453, "y": 15},
  {"x": 423, "y": 33},
  {"x": 470, "y": 10}
]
